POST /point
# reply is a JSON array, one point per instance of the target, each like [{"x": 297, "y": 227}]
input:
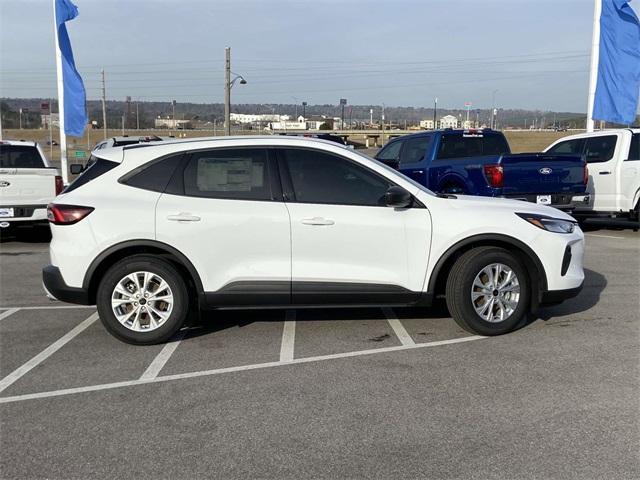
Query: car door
[
  {"x": 223, "y": 210},
  {"x": 600, "y": 152},
  {"x": 412, "y": 161},
  {"x": 347, "y": 246}
]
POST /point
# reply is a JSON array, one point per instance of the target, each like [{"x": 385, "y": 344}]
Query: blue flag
[{"x": 75, "y": 97}]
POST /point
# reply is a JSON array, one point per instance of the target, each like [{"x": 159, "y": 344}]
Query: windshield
[
  {"x": 395, "y": 172},
  {"x": 20, "y": 156}
]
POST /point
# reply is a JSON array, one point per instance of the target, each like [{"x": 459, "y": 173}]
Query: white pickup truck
[
  {"x": 27, "y": 184},
  {"x": 613, "y": 159}
]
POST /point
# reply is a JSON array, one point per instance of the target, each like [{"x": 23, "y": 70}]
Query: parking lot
[{"x": 361, "y": 393}]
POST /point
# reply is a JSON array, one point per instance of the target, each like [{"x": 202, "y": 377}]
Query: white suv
[{"x": 149, "y": 232}]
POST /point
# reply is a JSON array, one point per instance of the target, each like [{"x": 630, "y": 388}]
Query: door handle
[
  {"x": 605, "y": 173},
  {"x": 183, "y": 217},
  {"x": 418, "y": 171},
  {"x": 317, "y": 221}
]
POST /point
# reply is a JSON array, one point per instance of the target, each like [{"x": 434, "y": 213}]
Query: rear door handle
[
  {"x": 317, "y": 221},
  {"x": 183, "y": 217},
  {"x": 605, "y": 173}
]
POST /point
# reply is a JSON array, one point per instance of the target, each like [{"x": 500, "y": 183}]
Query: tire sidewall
[
  {"x": 469, "y": 273},
  {"x": 163, "y": 269}
]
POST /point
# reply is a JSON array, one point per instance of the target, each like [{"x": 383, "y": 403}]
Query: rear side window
[
  {"x": 600, "y": 149},
  {"x": 414, "y": 149},
  {"x": 95, "y": 167},
  {"x": 20, "y": 156},
  {"x": 458, "y": 146},
  {"x": 574, "y": 146},
  {"x": 634, "y": 150},
  {"x": 241, "y": 174},
  {"x": 153, "y": 176}
]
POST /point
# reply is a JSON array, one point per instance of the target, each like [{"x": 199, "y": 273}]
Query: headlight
[{"x": 549, "y": 224}]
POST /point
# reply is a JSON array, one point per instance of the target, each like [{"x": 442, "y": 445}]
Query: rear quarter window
[
  {"x": 20, "y": 156},
  {"x": 155, "y": 175},
  {"x": 95, "y": 167}
]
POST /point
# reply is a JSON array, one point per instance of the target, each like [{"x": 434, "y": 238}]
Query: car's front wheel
[
  {"x": 142, "y": 300},
  {"x": 488, "y": 291}
]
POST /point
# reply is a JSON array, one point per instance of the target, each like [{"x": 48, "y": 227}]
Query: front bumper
[
  {"x": 551, "y": 297},
  {"x": 55, "y": 286}
]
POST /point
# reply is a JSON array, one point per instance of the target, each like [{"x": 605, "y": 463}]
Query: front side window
[
  {"x": 574, "y": 146},
  {"x": 319, "y": 177},
  {"x": 241, "y": 174},
  {"x": 600, "y": 149},
  {"x": 634, "y": 150},
  {"x": 391, "y": 151},
  {"x": 414, "y": 149}
]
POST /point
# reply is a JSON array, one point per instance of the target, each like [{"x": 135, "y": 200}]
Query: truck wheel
[
  {"x": 142, "y": 300},
  {"x": 488, "y": 291},
  {"x": 453, "y": 189}
]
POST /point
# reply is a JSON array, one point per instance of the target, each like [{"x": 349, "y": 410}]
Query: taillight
[
  {"x": 585, "y": 177},
  {"x": 59, "y": 185},
  {"x": 494, "y": 175},
  {"x": 66, "y": 214}
]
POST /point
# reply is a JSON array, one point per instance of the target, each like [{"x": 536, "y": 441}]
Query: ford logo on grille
[
  {"x": 4, "y": 184},
  {"x": 545, "y": 171}
]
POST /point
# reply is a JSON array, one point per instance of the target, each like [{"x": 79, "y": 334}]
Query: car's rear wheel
[
  {"x": 488, "y": 291},
  {"x": 142, "y": 300}
]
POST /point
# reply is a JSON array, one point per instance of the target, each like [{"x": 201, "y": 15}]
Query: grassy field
[{"x": 520, "y": 141}]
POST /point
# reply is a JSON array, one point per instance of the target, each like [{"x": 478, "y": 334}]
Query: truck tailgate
[
  {"x": 27, "y": 186},
  {"x": 539, "y": 173}
]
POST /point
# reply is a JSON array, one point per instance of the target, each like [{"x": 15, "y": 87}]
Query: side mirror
[
  {"x": 76, "y": 168},
  {"x": 398, "y": 197}
]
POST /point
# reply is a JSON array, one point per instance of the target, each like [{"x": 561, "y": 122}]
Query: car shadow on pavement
[{"x": 594, "y": 284}]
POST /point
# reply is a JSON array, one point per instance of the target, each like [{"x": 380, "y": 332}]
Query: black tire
[
  {"x": 459, "y": 287},
  {"x": 150, "y": 264}
]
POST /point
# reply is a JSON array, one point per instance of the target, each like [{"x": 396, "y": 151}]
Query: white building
[
  {"x": 287, "y": 125},
  {"x": 448, "y": 121},
  {"x": 54, "y": 118},
  {"x": 426, "y": 124},
  {"x": 175, "y": 124},
  {"x": 253, "y": 118}
]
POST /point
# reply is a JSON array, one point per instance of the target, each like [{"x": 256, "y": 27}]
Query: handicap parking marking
[
  {"x": 46, "y": 353},
  {"x": 24, "y": 334},
  {"x": 228, "y": 339},
  {"x": 242, "y": 368},
  {"x": 328, "y": 331}
]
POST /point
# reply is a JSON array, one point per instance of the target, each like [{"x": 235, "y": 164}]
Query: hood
[{"x": 471, "y": 203}]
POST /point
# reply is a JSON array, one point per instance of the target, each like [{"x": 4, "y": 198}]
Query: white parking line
[
  {"x": 46, "y": 353},
  {"x": 52, "y": 307},
  {"x": 603, "y": 236},
  {"x": 398, "y": 328},
  {"x": 163, "y": 357},
  {"x": 288, "y": 336},
  {"x": 219, "y": 371},
  {"x": 11, "y": 311}
]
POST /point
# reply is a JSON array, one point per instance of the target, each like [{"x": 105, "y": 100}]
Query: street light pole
[
  {"x": 493, "y": 108},
  {"x": 435, "y": 110},
  {"x": 227, "y": 91}
]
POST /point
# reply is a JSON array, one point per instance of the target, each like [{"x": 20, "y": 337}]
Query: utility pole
[
  {"x": 435, "y": 111},
  {"x": 173, "y": 116},
  {"x": 493, "y": 109},
  {"x": 104, "y": 106},
  {"x": 1, "y": 122},
  {"x": 227, "y": 91},
  {"x": 20, "y": 118},
  {"x": 137, "y": 116},
  {"x": 304, "y": 110},
  {"x": 382, "y": 125}
]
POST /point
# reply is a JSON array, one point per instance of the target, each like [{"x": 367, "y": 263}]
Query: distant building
[
  {"x": 287, "y": 125},
  {"x": 254, "y": 118},
  {"x": 426, "y": 124},
  {"x": 468, "y": 124},
  {"x": 448, "y": 121},
  {"x": 174, "y": 124},
  {"x": 315, "y": 122}
]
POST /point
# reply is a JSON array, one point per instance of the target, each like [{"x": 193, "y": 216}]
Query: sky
[{"x": 530, "y": 54}]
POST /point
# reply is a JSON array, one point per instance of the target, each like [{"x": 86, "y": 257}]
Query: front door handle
[
  {"x": 605, "y": 173},
  {"x": 183, "y": 217},
  {"x": 317, "y": 221},
  {"x": 419, "y": 172}
]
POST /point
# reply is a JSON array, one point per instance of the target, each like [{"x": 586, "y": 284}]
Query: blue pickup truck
[{"x": 480, "y": 162}]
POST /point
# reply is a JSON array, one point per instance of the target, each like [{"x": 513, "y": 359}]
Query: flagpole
[
  {"x": 60, "y": 82},
  {"x": 595, "y": 57}
]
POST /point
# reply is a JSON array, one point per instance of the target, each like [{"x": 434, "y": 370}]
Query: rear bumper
[
  {"x": 557, "y": 296},
  {"x": 561, "y": 201},
  {"x": 56, "y": 287},
  {"x": 25, "y": 215}
]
